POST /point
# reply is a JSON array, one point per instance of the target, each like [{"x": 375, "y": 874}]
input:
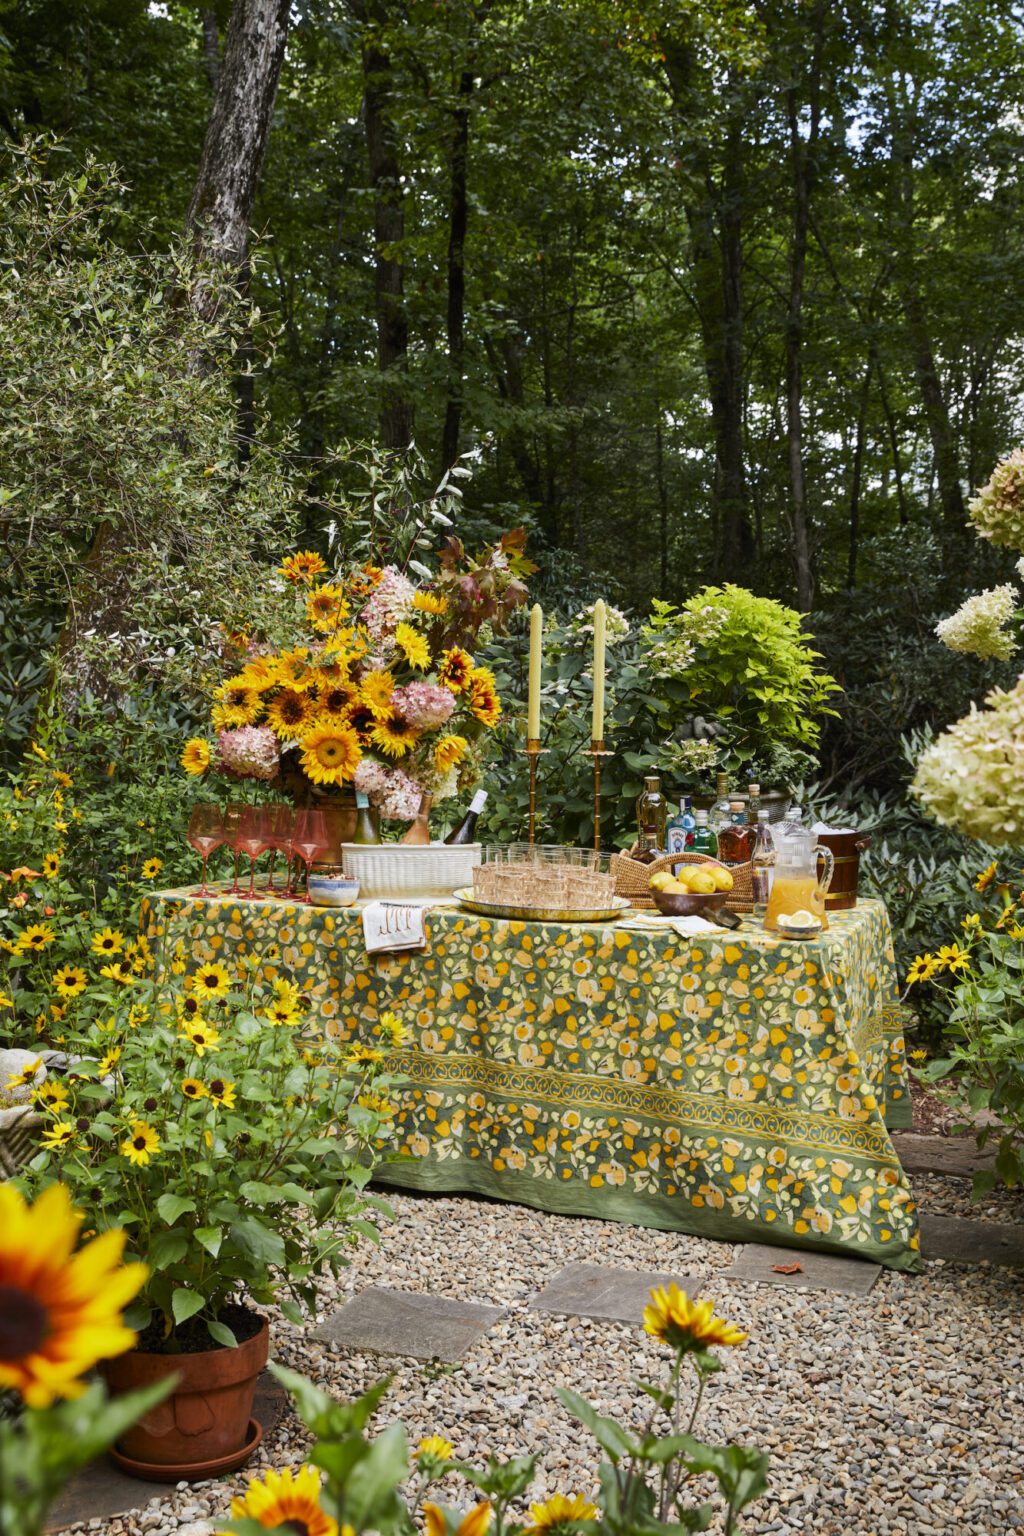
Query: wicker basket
[
  {"x": 403, "y": 869},
  {"x": 20, "y": 1129},
  {"x": 633, "y": 879}
]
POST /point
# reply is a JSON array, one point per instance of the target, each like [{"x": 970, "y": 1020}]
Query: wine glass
[
  {"x": 205, "y": 833},
  {"x": 309, "y": 838},
  {"x": 281, "y": 818},
  {"x": 254, "y": 835},
  {"x": 233, "y": 814}
]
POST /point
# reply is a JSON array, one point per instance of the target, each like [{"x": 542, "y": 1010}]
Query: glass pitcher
[{"x": 798, "y": 886}]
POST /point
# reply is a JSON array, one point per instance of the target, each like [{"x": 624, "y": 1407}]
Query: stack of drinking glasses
[{"x": 545, "y": 876}]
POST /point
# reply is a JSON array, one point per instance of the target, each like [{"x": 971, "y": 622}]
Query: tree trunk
[
  {"x": 858, "y": 474},
  {"x": 940, "y": 429},
  {"x": 236, "y": 134},
  {"x": 659, "y": 473},
  {"x": 211, "y": 49},
  {"x": 457, "y": 221}
]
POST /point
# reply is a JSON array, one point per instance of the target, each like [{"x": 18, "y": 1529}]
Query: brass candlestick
[
  {"x": 597, "y": 751},
  {"x": 533, "y": 751}
]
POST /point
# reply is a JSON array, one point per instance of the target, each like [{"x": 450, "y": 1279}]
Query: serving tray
[{"x": 619, "y": 907}]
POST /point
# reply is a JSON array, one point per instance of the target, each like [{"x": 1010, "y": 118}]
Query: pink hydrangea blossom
[
  {"x": 424, "y": 706},
  {"x": 251, "y": 752},
  {"x": 393, "y": 792},
  {"x": 388, "y": 604}
]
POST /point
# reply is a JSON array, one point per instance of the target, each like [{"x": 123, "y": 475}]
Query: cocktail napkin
[{"x": 391, "y": 925}]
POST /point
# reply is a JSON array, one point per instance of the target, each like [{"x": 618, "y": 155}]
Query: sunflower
[
  {"x": 238, "y": 704},
  {"x": 330, "y": 753},
  {"x": 434, "y": 1448},
  {"x": 287, "y": 1501},
  {"x": 363, "y": 581},
  {"x": 68, "y": 981},
  {"x": 559, "y": 1511},
  {"x": 60, "y": 1134},
  {"x": 109, "y": 941},
  {"x": 449, "y": 752},
  {"x": 192, "y": 1088},
  {"x": 61, "y": 1313},
  {"x": 117, "y": 971},
  {"x": 258, "y": 675},
  {"x": 203, "y": 1037},
  {"x": 302, "y": 566},
  {"x": 684, "y": 1324},
  {"x": 110, "y": 1061},
  {"x": 36, "y": 936},
  {"x": 390, "y": 1024},
  {"x": 292, "y": 669},
  {"x": 474, "y": 1523},
  {"x": 363, "y": 721},
  {"x": 291, "y": 713},
  {"x": 923, "y": 968},
  {"x": 394, "y": 737},
  {"x": 222, "y": 1093},
  {"x": 151, "y": 868},
  {"x": 25, "y": 1076},
  {"x": 53, "y": 1096},
  {"x": 414, "y": 647},
  {"x": 195, "y": 757},
  {"x": 326, "y": 608},
  {"x": 51, "y": 866},
  {"x": 141, "y": 1144},
  {"x": 430, "y": 602},
  {"x": 483, "y": 696},
  {"x": 336, "y": 699},
  {"x": 375, "y": 690},
  {"x": 455, "y": 670},
  {"x": 211, "y": 980}
]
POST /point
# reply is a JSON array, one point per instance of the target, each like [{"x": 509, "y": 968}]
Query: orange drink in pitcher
[{"x": 797, "y": 886}]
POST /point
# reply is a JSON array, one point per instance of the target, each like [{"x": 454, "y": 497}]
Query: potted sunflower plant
[{"x": 201, "y": 1110}]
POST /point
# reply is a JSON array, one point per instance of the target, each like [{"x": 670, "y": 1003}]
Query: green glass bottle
[{"x": 367, "y": 830}]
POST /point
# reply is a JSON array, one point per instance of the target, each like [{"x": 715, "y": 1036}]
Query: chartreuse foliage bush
[{"x": 647, "y": 1480}]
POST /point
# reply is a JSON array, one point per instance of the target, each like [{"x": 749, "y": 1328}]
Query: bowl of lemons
[{"x": 695, "y": 889}]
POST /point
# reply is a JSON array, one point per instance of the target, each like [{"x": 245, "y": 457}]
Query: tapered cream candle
[
  {"x": 597, "y": 731},
  {"x": 533, "y": 698}
]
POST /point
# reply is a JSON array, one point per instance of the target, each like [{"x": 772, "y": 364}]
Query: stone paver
[
  {"x": 971, "y": 1242},
  {"x": 954, "y": 1155},
  {"x": 406, "y": 1323},
  {"x": 818, "y": 1271},
  {"x": 590, "y": 1290},
  {"x": 101, "y": 1490}
]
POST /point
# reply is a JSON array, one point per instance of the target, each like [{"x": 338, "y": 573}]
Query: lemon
[
  {"x": 722, "y": 878},
  {"x": 703, "y": 881}
]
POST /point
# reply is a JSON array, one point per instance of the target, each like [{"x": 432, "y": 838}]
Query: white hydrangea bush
[
  {"x": 978, "y": 628},
  {"x": 997, "y": 511},
  {"x": 972, "y": 777}
]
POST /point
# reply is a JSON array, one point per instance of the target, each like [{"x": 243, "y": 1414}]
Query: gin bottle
[{"x": 762, "y": 864}]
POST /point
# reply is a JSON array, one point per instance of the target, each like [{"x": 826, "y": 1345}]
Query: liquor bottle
[
  {"x": 652, "y": 816},
  {"x": 367, "y": 830},
  {"x": 690, "y": 821},
  {"x": 720, "y": 813},
  {"x": 418, "y": 835},
  {"x": 704, "y": 840},
  {"x": 677, "y": 831},
  {"x": 762, "y": 864},
  {"x": 465, "y": 832},
  {"x": 736, "y": 839},
  {"x": 753, "y": 804}
]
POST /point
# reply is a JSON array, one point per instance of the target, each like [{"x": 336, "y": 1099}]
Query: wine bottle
[
  {"x": 466, "y": 829},
  {"x": 366, "y": 830}
]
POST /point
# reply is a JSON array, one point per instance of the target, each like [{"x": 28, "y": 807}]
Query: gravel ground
[{"x": 902, "y": 1413}]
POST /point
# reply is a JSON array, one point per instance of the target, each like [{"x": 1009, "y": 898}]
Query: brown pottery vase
[{"x": 207, "y": 1416}]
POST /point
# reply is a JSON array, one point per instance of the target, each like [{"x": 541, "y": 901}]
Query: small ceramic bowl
[
  {"x": 794, "y": 931},
  {"x": 332, "y": 890},
  {"x": 688, "y": 904}
]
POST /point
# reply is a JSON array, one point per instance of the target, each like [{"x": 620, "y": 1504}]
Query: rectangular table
[{"x": 736, "y": 1086}]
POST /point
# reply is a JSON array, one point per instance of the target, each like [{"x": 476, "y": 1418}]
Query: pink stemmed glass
[
  {"x": 280, "y": 818},
  {"x": 309, "y": 838},
  {"x": 254, "y": 837},
  {"x": 205, "y": 833},
  {"x": 233, "y": 814}
]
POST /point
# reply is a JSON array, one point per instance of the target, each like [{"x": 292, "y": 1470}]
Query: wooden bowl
[{"x": 692, "y": 904}]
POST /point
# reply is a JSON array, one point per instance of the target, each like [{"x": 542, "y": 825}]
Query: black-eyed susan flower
[
  {"x": 110, "y": 1061},
  {"x": 138, "y": 1014},
  {"x": 51, "y": 866},
  {"x": 141, "y": 1144},
  {"x": 363, "y": 1056},
  {"x": 109, "y": 941},
  {"x": 189, "y": 1007},
  {"x": 413, "y": 646},
  {"x": 986, "y": 877},
  {"x": 151, "y": 868},
  {"x": 63, "y": 779},
  {"x": 117, "y": 971},
  {"x": 557, "y": 1512},
  {"x": 434, "y": 1448},
  {"x": 36, "y": 937},
  {"x": 203, "y": 1038},
  {"x": 391, "y": 1026},
  {"x": 68, "y": 981},
  {"x": 951, "y": 957},
  {"x": 684, "y": 1324},
  {"x": 474, "y": 1523},
  {"x": 286, "y": 1500},
  {"x": 192, "y": 1088},
  {"x": 61, "y": 1312},
  {"x": 922, "y": 968},
  {"x": 52, "y": 1096},
  {"x": 25, "y": 1076},
  {"x": 330, "y": 753},
  {"x": 196, "y": 756},
  {"x": 222, "y": 1093},
  {"x": 5, "y": 1001},
  {"x": 304, "y": 565},
  {"x": 211, "y": 980},
  {"x": 58, "y": 1135},
  {"x": 455, "y": 670}
]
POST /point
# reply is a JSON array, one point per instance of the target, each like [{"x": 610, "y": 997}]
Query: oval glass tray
[{"x": 619, "y": 907}]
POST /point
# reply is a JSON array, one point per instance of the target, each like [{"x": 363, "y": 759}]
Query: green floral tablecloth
[{"x": 733, "y": 1085}]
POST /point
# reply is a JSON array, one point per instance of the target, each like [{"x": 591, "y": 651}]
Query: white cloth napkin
[
  {"x": 390, "y": 925},
  {"x": 682, "y": 925}
]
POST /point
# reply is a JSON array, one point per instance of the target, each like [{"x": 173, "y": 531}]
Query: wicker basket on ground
[{"x": 633, "y": 878}]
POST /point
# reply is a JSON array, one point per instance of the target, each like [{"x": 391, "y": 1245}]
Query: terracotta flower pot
[{"x": 207, "y": 1416}]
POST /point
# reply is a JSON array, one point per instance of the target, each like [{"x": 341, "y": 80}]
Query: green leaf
[
  {"x": 185, "y": 1304},
  {"x": 211, "y": 1238},
  {"x": 170, "y": 1207},
  {"x": 222, "y": 1333}
]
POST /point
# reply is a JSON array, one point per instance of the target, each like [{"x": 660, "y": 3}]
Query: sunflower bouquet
[{"x": 374, "y": 684}]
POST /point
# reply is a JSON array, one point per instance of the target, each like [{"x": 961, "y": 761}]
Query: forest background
[{"x": 710, "y": 292}]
